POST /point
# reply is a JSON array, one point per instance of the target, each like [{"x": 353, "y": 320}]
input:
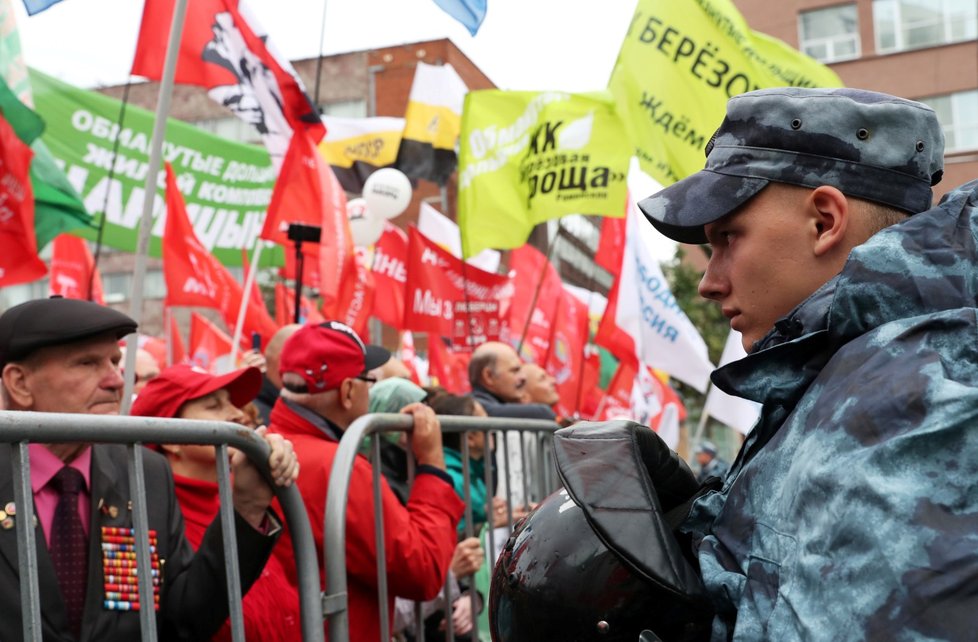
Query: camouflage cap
[{"x": 868, "y": 145}]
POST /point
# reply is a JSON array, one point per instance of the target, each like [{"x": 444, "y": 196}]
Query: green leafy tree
[{"x": 714, "y": 328}]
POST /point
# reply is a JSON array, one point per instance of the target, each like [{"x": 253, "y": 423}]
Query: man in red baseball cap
[{"x": 325, "y": 388}]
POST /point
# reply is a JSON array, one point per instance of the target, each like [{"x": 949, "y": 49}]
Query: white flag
[
  {"x": 740, "y": 414},
  {"x": 664, "y": 336},
  {"x": 443, "y": 231}
]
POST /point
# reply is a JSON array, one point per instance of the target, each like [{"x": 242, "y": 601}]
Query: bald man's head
[
  {"x": 540, "y": 386},
  {"x": 496, "y": 367},
  {"x": 273, "y": 352}
]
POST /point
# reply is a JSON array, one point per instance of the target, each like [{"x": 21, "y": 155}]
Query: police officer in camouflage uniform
[{"x": 851, "y": 512}]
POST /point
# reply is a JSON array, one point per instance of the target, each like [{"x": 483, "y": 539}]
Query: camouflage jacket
[{"x": 851, "y": 512}]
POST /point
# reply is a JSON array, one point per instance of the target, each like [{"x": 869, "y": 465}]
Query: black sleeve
[
  {"x": 194, "y": 603},
  {"x": 521, "y": 411}
]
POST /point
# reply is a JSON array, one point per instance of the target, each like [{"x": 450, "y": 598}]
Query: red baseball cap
[
  {"x": 326, "y": 354},
  {"x": 174, "y": 386}
]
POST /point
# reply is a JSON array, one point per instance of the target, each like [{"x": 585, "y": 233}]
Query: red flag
[
  {"x": 591, "y": 393},
  {"x": 195, "y": 278},
  {"x": 356, "y": 297},
  {"x": 448, "y": 368},
  {"x": 611, "y": 246},
  {"x": 73, "y": 269},
  {"x": 19, "y": 262},
  {"x": 389, "y": 268},
  {"x": 254, "y": 295},
  {"x": 177, "y": 350},
  {"x": 307, "y": 192},
  {"x": 409, "y": 356},
  {"x": 566, "y": 353},
  {"x": 230, "y": 56},
  {"x": 530, "y": 270},
  {"x": 210, "y": 347},
  {"x": 440, "y": 295},
  {"x": 617, "y": 401},
  {"x": 285, "y": 307},
  {"x": 310, "y": 266},
  {"x": 610, "y": 336}
]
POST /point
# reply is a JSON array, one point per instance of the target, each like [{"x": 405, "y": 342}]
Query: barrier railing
[
  {"x": 334, "y": 532},
  {"x": 21, "y": 428}
]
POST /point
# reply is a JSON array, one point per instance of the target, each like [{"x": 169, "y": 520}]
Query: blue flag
[
  {"x": 470, "y": 13},
  {"x": 37, "y": 6}
]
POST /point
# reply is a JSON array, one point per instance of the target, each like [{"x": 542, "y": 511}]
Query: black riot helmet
[{"x": 597, "y": 559}]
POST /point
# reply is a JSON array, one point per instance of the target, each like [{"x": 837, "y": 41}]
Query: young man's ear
[
  {"x": 15, "y": 380},
  {"x": 830, "y": 214}
]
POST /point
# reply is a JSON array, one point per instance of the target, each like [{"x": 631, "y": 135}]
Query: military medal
[{"x": 119, "y": 566}]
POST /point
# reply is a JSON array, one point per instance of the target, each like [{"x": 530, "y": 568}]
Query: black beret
[{"x": 48, "y": 322}]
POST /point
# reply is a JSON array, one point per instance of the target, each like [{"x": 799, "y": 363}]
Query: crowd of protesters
[{"x": 301, "y": 394}]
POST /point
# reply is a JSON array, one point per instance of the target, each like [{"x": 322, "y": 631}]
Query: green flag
[
  {"x": 678, "y": 65},
  {"x": 57, "y": 207},
  {"x": 226, "y": 185},
  {"x": 526, "y": 157}
]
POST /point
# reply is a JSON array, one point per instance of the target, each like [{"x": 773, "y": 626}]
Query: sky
[{"x": 568, "y": 45}]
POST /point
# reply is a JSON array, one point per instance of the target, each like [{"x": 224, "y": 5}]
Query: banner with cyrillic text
[
  {"x": 679, "y": 64},
  {"x": 446, "y": 299},
  {"x": 526, "y": 157},
  {"x": 226, "y": 185}
]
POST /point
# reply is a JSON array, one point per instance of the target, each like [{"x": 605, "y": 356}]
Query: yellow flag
[
  {"x": 680, "y": 63},
  {"x": 357, "y": 147}
]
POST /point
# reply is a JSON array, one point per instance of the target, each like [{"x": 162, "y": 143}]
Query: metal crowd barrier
[
  {"x": 20, "y": 428},
  {"x": 544, "y": 481}
]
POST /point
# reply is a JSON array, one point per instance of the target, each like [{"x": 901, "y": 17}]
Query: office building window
[
  {"x": 231, "y": 128},
  {"x": 345, "y": 109},
  {"x": 911, "y": 24},
  {"x": 830, "y": 34},
  {"x": 958, "y": 113}
]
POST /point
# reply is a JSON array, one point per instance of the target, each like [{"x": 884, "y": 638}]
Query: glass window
[
  {"x": 12, "y": 295},
  {"x": 116, "y": 286},
  {"x": 958, "y": 113},
  {"x": 830, "y": 34},
  {"x": 345, "y": 109},
  {"x": 231, "y": 128},
  {"x": 911, "y": 24}
]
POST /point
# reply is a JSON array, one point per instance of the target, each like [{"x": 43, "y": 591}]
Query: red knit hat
[{"x": 174, "y": 386}]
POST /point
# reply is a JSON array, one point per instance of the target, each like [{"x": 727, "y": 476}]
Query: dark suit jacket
[
  {"x": 495, "y": 407},
  {"x": 193, "y": 599}
]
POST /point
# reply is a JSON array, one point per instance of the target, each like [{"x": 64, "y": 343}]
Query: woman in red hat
[{"x": 271, "y": 607}]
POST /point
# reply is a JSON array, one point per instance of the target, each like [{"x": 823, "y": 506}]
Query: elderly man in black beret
[{"x": 62, "y": 355}]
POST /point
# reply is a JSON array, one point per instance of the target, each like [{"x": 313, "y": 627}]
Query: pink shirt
[{"x": 44, "y": 466}]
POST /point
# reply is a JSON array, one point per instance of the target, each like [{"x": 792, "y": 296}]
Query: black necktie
[{"x": 69, "y": 546}]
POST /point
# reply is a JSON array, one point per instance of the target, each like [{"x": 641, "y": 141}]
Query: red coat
[
  {"x": 271, "y": 606},
  {"x": 419, "y": 538}
]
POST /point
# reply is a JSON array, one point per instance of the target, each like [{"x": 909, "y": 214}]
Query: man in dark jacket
[
  {"x": 62, "y": 355},
  {"x": 497, "y": 379},
  {"x": 849, "y": 513}
]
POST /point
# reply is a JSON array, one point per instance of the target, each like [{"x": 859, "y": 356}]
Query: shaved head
[{"x": 273, "y": 352}]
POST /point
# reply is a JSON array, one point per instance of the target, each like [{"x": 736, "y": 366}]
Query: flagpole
[
  {"x": 536, "y": 294},
  {"x": 108, "y": 190},
  {"x": 590, "y": 294},
  {"x": 168, "y": 325},
  {"x": 245, "y": 297},
  {"x": 146, "y": 222},
  {"x": 319, "y": 61}
]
